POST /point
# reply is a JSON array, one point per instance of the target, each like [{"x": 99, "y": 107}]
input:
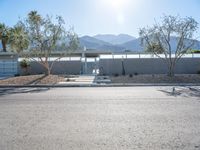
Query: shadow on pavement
[
  {"x": 8, "y": 91},
  {"x": 183, "y": 92}
]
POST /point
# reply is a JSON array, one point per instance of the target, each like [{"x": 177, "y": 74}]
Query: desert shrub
[
  {"x": 116, "y": 74},
  {"x": 25, "y": 63},
  {"x": 130, "y": 75},
  {"x": 135, "y": 73},
  {"x": 17, "y": 75}
]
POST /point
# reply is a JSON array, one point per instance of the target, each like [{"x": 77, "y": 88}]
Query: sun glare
[
  {"x": 120, "y": 19},
  {"x": 116, "y": 4},
  {"x": 118, "y": 8}
]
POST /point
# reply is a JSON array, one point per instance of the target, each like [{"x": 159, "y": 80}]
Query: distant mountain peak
[
  {"x": 119, "y": 43},
  {"x": 114, "y": 39}
]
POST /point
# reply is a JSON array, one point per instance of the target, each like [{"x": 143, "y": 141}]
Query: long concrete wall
[
  {"x": 147, "y": 66},
  {"x": 60, "y": 67},
  {"x": 114, "y": 66}
]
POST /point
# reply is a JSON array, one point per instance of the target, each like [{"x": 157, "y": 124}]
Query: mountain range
[
  {"x": 119, "y": 43},
  {"x": 115, "y": 39}
]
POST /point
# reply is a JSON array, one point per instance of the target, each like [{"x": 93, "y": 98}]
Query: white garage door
[{"x": 8, "y": 67}]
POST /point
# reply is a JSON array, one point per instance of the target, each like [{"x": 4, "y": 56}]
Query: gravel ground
[
  {"x": 126, "y": 118},
  {"x": 32, "y": 79},
  {"x": 53, "y": 79},
  {"x": 191, "y": 78},
  {"x": 21, "y": 80}
]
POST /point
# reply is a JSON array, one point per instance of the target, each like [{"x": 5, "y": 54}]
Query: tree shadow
[
  {"x": 182, "y": 92},
  {"x": 9, "y": 91},
  {"x": 36, "y": 80}
]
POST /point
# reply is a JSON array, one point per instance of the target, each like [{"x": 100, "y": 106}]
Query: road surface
[{"x": 110, "y": 118}]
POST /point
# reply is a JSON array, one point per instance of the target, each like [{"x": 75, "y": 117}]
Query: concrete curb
[{"x": 99, "y": 85}]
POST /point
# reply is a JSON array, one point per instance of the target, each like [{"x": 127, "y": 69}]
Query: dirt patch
[
  {"x": 32, "y": 79},
  {"x": 192, "y": 78},
  {"x": 51, "y": 79}
]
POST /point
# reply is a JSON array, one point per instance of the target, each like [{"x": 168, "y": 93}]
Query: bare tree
[
  {"x": 43, "y": 36},
  {"x": 73, "y": 40},
  {"x": 158, "y": 39}
]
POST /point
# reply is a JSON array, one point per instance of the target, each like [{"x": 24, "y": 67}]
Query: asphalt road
[{"x": 119, "y": 118}]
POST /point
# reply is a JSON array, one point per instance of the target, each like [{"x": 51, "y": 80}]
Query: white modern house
[{"x": 103, "y": 62}]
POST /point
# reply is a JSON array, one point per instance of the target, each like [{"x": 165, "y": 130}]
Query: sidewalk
[{"x": 78, "y": 80}]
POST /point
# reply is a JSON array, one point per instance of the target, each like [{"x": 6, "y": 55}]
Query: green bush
[{"x": 24, "y": 63}]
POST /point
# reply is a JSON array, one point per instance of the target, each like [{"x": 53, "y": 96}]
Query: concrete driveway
[{"x": 124, "y": 118}]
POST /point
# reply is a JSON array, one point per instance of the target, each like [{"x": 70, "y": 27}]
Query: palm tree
[
  {"x": 4, "y": 35},
  {"x": 34, "y": 18},
  {"x": 34, "y": 21},
  {"x": 18, "y": 39}
]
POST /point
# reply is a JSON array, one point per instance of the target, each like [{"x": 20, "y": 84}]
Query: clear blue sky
[{"x": 90, "y": 17}]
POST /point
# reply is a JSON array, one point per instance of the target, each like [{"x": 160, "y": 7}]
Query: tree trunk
[
  {"x": 3, "y": 45},
  {"x": 48, "y": 70},
  {"x": 123, "y": 69},
  {"x": 171, "y": 68}
]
